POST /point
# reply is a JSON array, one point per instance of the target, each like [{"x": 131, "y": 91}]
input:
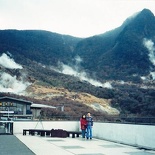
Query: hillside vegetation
[{"x": 108, "y": 74}]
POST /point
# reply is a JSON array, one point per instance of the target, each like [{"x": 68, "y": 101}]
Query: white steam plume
[
  {"x": 153, "y": 75},
  {"x": 82, "y": 75},
  {"x": 7, "y": 62},
  {"x": 10, "y": 84},
  {"x": 148, "y": 43},
  {"x": 78, "y": 60}
]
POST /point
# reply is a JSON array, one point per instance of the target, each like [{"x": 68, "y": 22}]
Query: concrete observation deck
[
  {"x": 36, "y": 145},
  {"x": 108, "y": 139}
]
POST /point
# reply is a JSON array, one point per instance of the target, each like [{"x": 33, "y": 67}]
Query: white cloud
[{"x": 7, "y": 62}]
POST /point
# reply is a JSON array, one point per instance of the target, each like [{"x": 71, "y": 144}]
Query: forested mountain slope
[{"x": 117, "y": 66}]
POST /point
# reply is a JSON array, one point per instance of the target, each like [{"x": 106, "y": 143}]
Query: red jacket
[{"x": 83, "y": 123}]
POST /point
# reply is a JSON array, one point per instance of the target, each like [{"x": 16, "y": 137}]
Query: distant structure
[
  {"x": 14, "y": 109},
  {"x": 36, "y": 109}
]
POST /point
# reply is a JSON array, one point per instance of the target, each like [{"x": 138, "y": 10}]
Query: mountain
[
  {"x": 120, "y": 53},
  {"x": 40, "y": 46},
  {"x": 105, "y": 55},
  {"x": 117, "y": 66}
]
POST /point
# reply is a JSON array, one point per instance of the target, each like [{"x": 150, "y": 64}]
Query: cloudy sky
[{"x": 81, "y": 18}]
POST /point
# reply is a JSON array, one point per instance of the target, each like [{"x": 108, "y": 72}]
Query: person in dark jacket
[
  {"x": 89, "y": 120},
  {"x": 83, "y": 124}
]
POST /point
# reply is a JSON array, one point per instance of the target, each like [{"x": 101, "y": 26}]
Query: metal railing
[
  {"x": 107, "y": 119},
  {"x": 6, "y": 127}
]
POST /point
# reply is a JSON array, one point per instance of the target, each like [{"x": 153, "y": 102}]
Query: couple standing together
[{"x": 86, "y": 123}]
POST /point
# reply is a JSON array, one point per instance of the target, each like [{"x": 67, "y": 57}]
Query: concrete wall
[{"x": 136, "y": 135}]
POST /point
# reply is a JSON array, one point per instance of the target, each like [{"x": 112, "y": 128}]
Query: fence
[{"x": 109, "y": 119}]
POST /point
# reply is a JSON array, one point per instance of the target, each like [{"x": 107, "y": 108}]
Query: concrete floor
[
  {"x": 77, "y": 146},
  {"x": 10, "y": 145}
]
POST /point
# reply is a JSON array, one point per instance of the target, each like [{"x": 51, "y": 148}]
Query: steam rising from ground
[
  {"x": 7, "y": 62},
  {"x": 149, "y": 44},
  {"x": 75, "y": 70},
  {"x": 10, "y": 83}
]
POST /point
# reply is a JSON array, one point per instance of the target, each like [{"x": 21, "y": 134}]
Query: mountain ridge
[
  {"x": 120, "y": 57},
  {"x": 124, "y": 45}
]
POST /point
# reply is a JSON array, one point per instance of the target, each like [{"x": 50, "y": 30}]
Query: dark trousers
[{"x": 83, "y": 133}]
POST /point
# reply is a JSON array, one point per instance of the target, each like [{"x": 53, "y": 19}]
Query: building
[
  {"x": 15, "y": 108},
  {"x": 36, "y": 109}
]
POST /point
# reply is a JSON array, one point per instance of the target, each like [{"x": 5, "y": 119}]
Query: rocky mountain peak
[
  {"x": 145, "y": 13},
  {"x": 141, "y": 23}
]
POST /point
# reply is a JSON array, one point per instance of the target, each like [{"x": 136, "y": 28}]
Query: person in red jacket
[{"x": 83, "y": 124}]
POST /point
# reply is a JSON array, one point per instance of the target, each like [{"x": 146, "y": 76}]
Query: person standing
[
  {"x": 83, "y": 124},
  {"x": 89, "y": 120}
]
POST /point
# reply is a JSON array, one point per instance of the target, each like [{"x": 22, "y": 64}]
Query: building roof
[
  {"x": 34, "y": 105},
  {"x": 9, "y": 99}
]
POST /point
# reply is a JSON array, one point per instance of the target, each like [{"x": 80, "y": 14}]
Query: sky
[{"x": 79, "y": 18}]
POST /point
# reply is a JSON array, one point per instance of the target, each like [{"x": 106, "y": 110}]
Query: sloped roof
[
  {"x": 6, "y": 98},
  {"x": 34, "y": 105}
]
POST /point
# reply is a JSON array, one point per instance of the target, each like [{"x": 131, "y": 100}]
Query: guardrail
[
  {"x": 98, "y": 118},
  {"x": 108, "y": 119},
  {"x": 6, "y": 127}
]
